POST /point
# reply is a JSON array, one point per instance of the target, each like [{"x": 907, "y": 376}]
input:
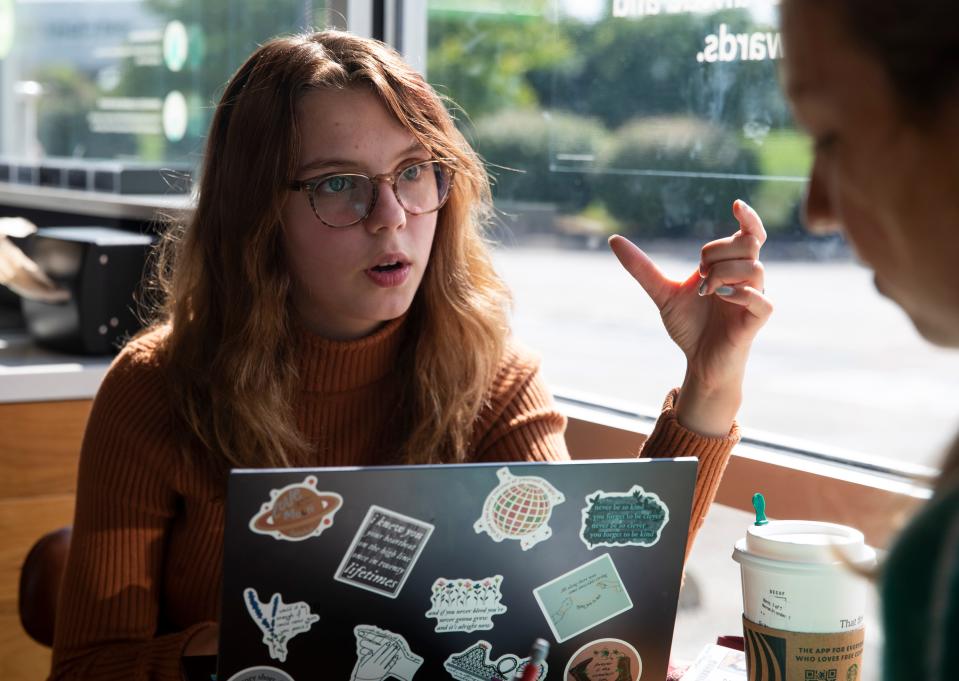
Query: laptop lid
[{"x": 452, "y": 571}]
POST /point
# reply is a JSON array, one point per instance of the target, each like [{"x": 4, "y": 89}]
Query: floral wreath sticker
[
  {"x": 466, "y": 605},
  {"x": 297, "y": 512},
  {"x": 519, "y": 508}
]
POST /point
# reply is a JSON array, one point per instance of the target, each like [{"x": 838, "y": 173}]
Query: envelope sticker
[
  {"x": 519, "y": 508},
  {"x": 381, "y": 654},
  {"x": 636, "y": 518},
  {"x": 606, "y": 659},
  {"x": 278, "y": 621},
  {"x": 475, "y": 664},
  {"x": 582, "y": 598},
  {"x": 383, "y": 552},
  {"x": 466, "y": 605},
  {"x": 297, "y": 512}
]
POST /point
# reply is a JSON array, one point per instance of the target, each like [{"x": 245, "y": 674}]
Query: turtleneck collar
[{"x": 338, "y": 366}]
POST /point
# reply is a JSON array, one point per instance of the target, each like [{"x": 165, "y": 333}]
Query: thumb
[{"x": 643, "y": 269}]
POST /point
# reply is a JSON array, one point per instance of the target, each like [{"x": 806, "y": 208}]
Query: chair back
[{"x": 40, "y": 584}]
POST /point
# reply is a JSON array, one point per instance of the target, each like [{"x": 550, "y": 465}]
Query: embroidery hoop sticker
[
  {"x": 383, "y": 552},
  {"x": 519, "y": 508},
  {"x": 636, "y": 518},
  {"x": 261, "y": 674},
  {"x": 583, "y": 598},
  {"x": 278, "y": 621},
  {"x": 605, "y": 659},
  {"x": 382, "y": 654},
  {"x": 475, "y": 663},
  {"x": 465, "y": 605},
  {"x": 297, "y": 512}
]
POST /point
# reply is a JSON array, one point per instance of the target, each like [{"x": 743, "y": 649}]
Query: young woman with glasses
[{"x": 332, "y": 302}]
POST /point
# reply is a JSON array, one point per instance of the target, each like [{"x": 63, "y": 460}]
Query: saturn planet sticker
[{"x": 297, "y": 512}]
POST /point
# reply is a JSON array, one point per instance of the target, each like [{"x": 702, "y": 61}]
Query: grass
[{"x": 782, "y": 153}]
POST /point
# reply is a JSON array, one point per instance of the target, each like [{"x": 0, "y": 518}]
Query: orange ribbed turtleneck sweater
[{"x": 143, "y": 574}]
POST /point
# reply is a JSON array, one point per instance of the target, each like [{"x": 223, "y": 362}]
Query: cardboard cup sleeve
[{"x": 779, "y": 655}]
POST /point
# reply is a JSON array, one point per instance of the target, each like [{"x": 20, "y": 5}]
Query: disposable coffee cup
[{"x": 803, "y": 598}]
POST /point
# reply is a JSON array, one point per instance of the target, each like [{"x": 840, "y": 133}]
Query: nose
[
  {"x": 819, "y": 210},
  {"x": 387, "y": 212}
]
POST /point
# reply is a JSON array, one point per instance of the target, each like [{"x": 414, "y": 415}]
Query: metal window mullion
[{"x": 355, "y": 16}]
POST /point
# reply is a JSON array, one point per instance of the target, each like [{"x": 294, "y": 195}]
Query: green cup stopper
[{"x": 759, "y": 503}]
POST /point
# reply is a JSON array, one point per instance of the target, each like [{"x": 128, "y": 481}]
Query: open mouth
[{"x": 387, "y": 267}]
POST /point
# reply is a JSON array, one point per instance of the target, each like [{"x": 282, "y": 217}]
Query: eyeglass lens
[{"x": 343, "y": 200}]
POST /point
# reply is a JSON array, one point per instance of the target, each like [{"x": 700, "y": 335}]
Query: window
[
  {"x": 131, "y": 80},
  {"x": 648, "y": 118}
]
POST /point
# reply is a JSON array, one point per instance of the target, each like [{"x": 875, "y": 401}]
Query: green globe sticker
[
  {"x": 7, "y": 25},
  {"x": 175, "y": 116},
  {"x": 176, "y": 45}
]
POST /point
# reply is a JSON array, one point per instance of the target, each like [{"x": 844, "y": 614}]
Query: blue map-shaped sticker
[{"x": 636, "y": 518}]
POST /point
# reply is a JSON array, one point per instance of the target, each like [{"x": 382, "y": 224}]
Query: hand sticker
[{"x": 381, "y": 654}]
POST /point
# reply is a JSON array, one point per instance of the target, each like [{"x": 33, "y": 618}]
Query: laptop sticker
[
  {"x": 582, "y": 598},
  {"x": 636, "y": 518},
  {"x": 519, "y": 508},
  {"x": 606, "y": 659},
  {"x": 383, "y": 552},
  {"x": 381, "y": 654},
  {"x": 261, "y": 674},
  {"x": 466, "y": 605},
  {"x": 278, "y": 621},
  {"x": 475, "y": 664},
  {"x": 297, "y": 512}
]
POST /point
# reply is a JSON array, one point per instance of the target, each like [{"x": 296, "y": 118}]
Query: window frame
[{"x": 797, "y": 483}]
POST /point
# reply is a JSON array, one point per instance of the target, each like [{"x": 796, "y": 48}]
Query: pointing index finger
[{"x": 642, "y": 268}]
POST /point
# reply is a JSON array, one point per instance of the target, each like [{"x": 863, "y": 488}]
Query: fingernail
[
  {"x": 724, "y": 291},
  {"x": 702, "y": 288},
  {"x": 702, "y": 273}
]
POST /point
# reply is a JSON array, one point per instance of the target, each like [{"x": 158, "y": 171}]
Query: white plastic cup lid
[{"x": 806, "y": 541}]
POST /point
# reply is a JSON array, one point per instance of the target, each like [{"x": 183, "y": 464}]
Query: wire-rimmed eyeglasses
[{"x": 344, "y": 199}]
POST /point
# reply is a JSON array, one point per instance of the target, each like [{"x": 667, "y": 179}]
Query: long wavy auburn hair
[{"x": 231, "y": 347}]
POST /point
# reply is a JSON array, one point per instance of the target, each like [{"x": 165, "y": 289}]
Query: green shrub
[
  {"x": 665, "y": 176},
  {"x": 520, "y": 147}
]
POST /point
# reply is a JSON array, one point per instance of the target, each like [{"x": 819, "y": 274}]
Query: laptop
[{"x": 452, "y": 571}]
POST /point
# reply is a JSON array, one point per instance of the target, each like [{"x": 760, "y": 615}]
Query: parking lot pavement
[{"x": 838, "y": 366}]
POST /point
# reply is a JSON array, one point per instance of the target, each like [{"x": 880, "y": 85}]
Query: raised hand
[{"x": 713, "y": 316}]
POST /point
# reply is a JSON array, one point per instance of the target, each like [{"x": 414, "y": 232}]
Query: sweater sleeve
[
  {"x": 670, "y": 439},
  {"x": 522, "y": 423},
  {"x": 109, "y": 608}
]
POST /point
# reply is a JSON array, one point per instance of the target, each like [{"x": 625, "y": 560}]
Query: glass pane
[
  {"x": 648, "y": 118},
  {"x": 126, "y": 79}
]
